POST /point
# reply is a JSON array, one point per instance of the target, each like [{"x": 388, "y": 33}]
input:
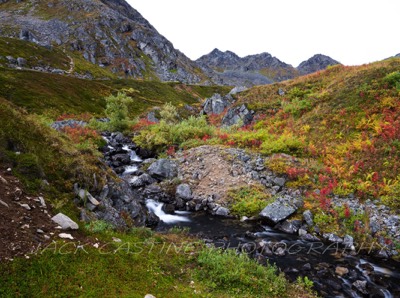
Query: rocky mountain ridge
[
  {"x": 109, "y": 33},
  {"x": 227, "y": 68},
  {"x": 316, "y": 63}
]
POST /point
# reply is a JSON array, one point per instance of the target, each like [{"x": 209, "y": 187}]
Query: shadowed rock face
[
  {"x": 316, "y": 63},
  {"x": 109, "y": 33}
]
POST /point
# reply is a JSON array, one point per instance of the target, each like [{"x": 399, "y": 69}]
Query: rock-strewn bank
[{"x": 199, "y": 180}]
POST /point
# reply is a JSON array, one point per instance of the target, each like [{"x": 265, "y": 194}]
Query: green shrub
[
  {"x": 169, "y": 113},
  {"x": 392, "y": 197},
  {"x": 298, "y": 106},
  {"x": 248, "y": 200},
  {"x": 98, "y": 226},
  {"x": 284, "y": 144},
  {"x": 393, "y": 79},
  {"x": 162, "y": 135},
  {"x": 239, "y": 276},
  {"x": 117, "y": 111}
]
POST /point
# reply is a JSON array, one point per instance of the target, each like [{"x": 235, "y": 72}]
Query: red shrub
[{"x": 142, "y": 123}]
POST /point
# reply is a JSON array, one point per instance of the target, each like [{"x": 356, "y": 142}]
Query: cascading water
[
  {"x": 156, "y": 208},
  {"x": 298, "y": 257}
]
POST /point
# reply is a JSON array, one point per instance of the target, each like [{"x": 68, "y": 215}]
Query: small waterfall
[
  {"x": 132, "y": 154},
  {"x": 130, "y": 170},
  {"x": 156, "y": 208}
]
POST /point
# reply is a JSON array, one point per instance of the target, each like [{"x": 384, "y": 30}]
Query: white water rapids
[{"x": 156, "y": 208}]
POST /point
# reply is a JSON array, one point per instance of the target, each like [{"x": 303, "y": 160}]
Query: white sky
[{"x": 350, "y": 31}]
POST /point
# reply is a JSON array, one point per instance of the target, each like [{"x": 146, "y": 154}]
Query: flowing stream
[{"x": 334, "y": 270}]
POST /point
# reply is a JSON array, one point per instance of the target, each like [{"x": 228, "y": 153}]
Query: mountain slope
[
  {"x": 347, "y": 118},
  {"x": 108, "y": 33}
]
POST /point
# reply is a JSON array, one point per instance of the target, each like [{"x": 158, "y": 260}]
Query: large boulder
[
  {"x": 163, "y": 169},
  {"x": 281, "y": 209},
  {"x": 216, "y": 104},
  {"x": 117, "y": 199},
  {"x": 236, "y": 115},
  {"x": 184, "y": 192},
  {"x": 65, "y": 222}
]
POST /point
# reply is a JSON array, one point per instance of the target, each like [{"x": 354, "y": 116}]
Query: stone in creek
[
  {"x": 222, "y": 211},
  {"x": 333, "y": 238},
  {"x": 361, "y": 286},
  {"x": 341, "y": 270},
  {"x": 277, "y": 211},
  {"x": 163, "y": 169},
  {"x": 289, "y": 226},
  {"x": 184, "y": 192}
]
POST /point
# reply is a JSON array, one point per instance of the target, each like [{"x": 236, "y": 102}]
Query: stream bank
[{"x": 186, "y": 193}]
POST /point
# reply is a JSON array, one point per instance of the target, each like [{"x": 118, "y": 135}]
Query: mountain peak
[{"x": 316, "y": 63}]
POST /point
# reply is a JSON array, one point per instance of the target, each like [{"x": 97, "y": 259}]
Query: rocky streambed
[{"x": 188, "y": 191}]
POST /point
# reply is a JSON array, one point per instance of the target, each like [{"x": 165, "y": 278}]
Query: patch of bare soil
[
  {"x": 25, "y": 221},
  {"x": 214, "y": 170}
]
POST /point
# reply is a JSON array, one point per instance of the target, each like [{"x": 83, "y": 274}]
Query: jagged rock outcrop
[
  {"x": 109, "y": 33},
  {"x": 229, "y": 69},
  {"x": 238, "y": 115},
  {"x": 216, "y": 104},
  {"x": 316, "y": 63}
]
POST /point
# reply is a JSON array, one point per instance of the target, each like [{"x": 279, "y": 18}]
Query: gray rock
[
  {"x": 281, "y": 92},
  {"x": 11, "y": 60},
  {"x": 215, "y": 105},
  {"x": 26, "y": 206},
  {"x": 333, "y": 238},
  {"x": 21, "y": 62},
  {"x": 309, "y": 237},
  {"x": 66, "y": 236},
  {"x": 374, "y": 226},
  {"x": 308, "y": 218},
  {"x": 4, "y": 204},
  {"x": 279, "y": 181},
  {"x": 302, "y": 232},
  {"x": 277, "y": 211},
  {"x": 361, "y": 286},
  {"x": 142, "y": 180},
  {"x": 151, "y": 116},
  {"x": 58, "y": 71},
  {"x": 348, "y": 241},
  {"x": 59, "y": 125},
  {"x": 237, "y": 90},
  {"x": 289, "y": 226},
  {"x": 163, "y": 169},
  {"x": 65, "y": 222},
  {"x": 236, "y": 115},
  {"x": 184, "y": 192},
  {"x": 222, "y": 211},
  {"x": 87, "y": 197}
]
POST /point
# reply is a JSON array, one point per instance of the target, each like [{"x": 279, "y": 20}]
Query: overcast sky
[{"x": 350, "y": 31}]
